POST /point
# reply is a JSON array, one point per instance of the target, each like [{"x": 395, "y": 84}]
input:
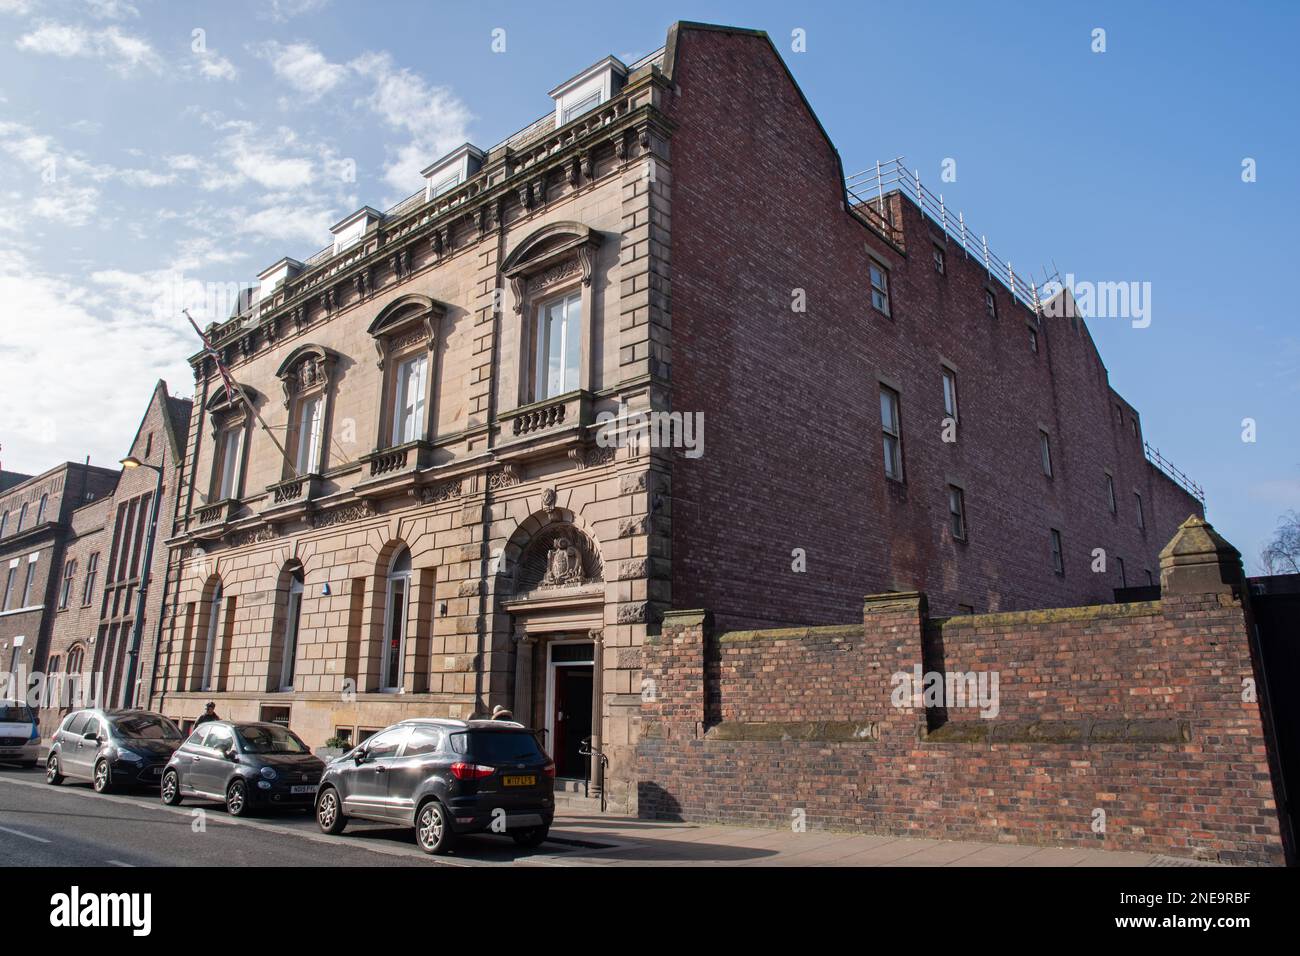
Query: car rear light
[
  {"x": 549, "y": 769},
  {"x": 471, "y": 771}
]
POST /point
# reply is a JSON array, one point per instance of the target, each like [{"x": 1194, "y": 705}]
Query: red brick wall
[
  {"x": 1136, "y": 710},
  {"x": 793, "y": 454}
]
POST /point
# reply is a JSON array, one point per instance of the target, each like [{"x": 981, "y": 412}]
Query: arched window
[
  {"x": 210, "y": 646},
  {"x": 65, "y": 592},
  {"x": 292, "y": 619},
  {"x": 22, "y": 516},
  {"x": 4, "y": 524},
  {"x": 392, "y": 665},
  {"x": 76, "y": 659},
  {"x": 305, "y": 375},
  {"x": 550, "y": 275},
  {"x": 40, "y": 509},
  {"x": 229, "y": 418},
  {"x": 405, "y": 335}
]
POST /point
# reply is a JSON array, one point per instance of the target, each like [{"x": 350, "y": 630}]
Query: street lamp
[{"x": 137, "y": 627}]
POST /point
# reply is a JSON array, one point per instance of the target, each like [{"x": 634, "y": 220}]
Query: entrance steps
[{"x": 570, "y": 795}]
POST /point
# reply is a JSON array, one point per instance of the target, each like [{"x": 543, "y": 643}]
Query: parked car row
[{"x": 442, "y": 778}]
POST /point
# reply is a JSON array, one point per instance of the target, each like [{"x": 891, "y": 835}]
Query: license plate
[
  {"x": 520, "y": 780},
  {"x": 306, "y": 788},
  {"x": 157, "y": 771}
]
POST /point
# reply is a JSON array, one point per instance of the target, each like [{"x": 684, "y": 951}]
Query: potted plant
[{"x": 336, "y": 746}]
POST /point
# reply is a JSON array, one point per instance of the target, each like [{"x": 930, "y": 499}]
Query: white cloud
[
  {"x": 130, "y": 51},
  {"x": 435, "y": 118},
  {"x": 71, "y": 206},
  {"x": 57, "y": 40},
  {"x": 124, "y": 52},
  {"x": 17, "y": 7},
  {"x": 113, "y": 9},
  {"x": 214, "y": 66},
  {"x": 291, "y": 223},
  {"x": 274, "y": 172},
  {"x": 303, "y": 67},
  {"x": 106, "y": 338},
  {"x": 281, "y": 11}
]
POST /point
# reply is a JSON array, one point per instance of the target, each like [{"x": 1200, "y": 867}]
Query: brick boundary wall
[{"x": 1136, "y": 710}]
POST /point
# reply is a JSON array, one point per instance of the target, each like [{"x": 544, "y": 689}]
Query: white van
[{"x": 20, "y": 734}]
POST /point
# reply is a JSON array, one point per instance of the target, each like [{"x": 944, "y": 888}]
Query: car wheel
[
  {"x": 171, "y": 789},
  {"x": 530, "y": 836},
  {"x": 52, "y": 775},
  {"x": 329, "y": 812},
  {"x": 237, "y": 799},
  {"x": 103, "y": 781},
  {"x": 433, "y": 829}
]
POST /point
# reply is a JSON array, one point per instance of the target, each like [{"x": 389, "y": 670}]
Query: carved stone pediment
[
  {"x": 406, "y": 321},
  {"x": 560, "y": 556},
  {"x": 550, "y": 255},
  {"x": 305, "y": 368}
]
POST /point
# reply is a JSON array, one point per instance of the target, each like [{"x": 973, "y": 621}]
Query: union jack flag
[{"x": 231, "y": 391}]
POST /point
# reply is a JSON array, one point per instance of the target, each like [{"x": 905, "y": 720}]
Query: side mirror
[
  {"x": 91, "y": 735},
  {"x": 360, "y": 755},
  {"x": 231, "y": 753}
]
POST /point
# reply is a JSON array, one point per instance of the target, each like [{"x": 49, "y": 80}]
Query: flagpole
[{"x": 230, "y": 383}]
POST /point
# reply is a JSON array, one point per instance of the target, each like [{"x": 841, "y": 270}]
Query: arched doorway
[{"x": 554, "y": 592}]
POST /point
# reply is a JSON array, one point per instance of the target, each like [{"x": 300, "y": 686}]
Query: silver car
[{"x": 20, "y": 734}]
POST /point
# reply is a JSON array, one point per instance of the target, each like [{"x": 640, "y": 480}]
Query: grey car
[
  {"x": 444, "y": 778},
  {"x": 111, "y": 748},
  {"x": 245, "y": 765}
]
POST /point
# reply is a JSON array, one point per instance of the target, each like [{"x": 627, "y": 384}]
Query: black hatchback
[
  {"x": 112, "y": 748},
  {"x": 444, "y": 778},
  {"x": 246, "y": 766}
]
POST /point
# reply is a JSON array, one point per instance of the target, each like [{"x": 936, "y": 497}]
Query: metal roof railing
[
  {"x": 867, "y": 190},
  {"x": 1173, "y": 473}
]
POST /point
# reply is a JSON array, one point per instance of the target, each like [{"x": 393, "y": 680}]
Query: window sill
[{"x": 22, "y": 610}]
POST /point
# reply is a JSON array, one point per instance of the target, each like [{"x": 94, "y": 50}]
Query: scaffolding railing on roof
[
  {"x": 1174, "y": 474},
  {"x": 867, "y": 191}
]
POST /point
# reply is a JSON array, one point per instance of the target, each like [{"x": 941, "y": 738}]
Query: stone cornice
[{"x": 477, "y": 200}]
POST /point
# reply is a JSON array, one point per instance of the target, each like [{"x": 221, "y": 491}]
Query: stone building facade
[
  {"x": 414, "y": 503},
  {"x": 93, "y": 615},
  {"x": 35, "y": 518}
]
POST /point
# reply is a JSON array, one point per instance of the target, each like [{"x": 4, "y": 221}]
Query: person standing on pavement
[{"x": 209, "y": 713}]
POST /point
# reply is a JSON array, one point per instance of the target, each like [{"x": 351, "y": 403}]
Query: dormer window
[
  {"x": 585, "y": 105},
  {"x": 274, "y": 277},
  {"x": 305, "y": 376},
  {"x": 450, "y": 171},
  {"x": 586, "y": 91},
  {"x": 349, "y": 231}
]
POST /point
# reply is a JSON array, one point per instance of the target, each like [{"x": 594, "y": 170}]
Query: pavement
[{"x": 71, "y": 825}]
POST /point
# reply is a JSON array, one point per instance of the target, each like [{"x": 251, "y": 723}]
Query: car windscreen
[
  {"x": 497, "y": 746},
  {"x": 145, "y": 727},
  {"x": 12, "y": 712},
  {"x": 269, "y": 739}
]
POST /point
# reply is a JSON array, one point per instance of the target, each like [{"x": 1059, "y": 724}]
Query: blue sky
[{"x": 138, "y": 157}]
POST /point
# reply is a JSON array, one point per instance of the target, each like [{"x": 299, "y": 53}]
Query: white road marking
[
  {"x": 25, "y": 836},
  {"x": 221, "y": 819}
]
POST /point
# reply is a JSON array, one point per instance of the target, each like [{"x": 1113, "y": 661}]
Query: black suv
[
  {"x": 243, "y": 765},
  {"x": 112, "y": 748},
  {"x": 444, "y": 777}
]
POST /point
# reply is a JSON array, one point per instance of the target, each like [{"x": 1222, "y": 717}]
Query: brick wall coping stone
[
  {"x": 1138, "y": 730},
  {"x": 832, "y": 631},
  {"x": 1055, "y": 615}
]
